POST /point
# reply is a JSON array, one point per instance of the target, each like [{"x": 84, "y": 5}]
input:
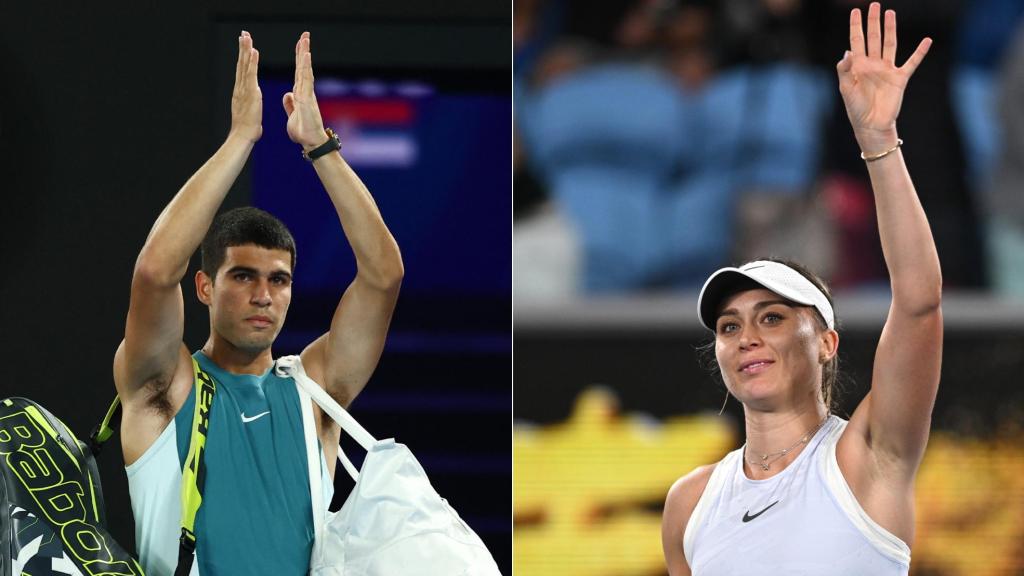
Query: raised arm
[
  {"x": 148, "y": 358},
  {"x": 896, "y": 416},
  {"x": 343, "y": 359}
]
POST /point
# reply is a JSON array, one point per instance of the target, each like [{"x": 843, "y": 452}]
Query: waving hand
[{"x": 870, "y": 82}]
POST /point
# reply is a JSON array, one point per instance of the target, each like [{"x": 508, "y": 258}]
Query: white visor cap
[{"x": 774, "y": 276}]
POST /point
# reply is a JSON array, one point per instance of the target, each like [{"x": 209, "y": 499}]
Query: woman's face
[{"x": 771, "y": 350}]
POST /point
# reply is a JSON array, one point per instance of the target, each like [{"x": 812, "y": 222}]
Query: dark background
[{"x": 105, "y": 111}]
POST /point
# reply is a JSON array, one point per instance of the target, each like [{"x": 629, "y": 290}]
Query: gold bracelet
[{"x": 899, "y": 142}]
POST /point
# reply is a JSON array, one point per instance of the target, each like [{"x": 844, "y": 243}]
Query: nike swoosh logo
[
  {"x": 248, "y": 419},
  {"x": 747, "y": 517}
]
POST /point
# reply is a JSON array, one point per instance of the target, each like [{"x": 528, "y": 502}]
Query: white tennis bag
[{"x": 394, "y": 522}]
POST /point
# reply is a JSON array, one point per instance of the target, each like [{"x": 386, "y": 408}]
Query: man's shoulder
[{"x": 148, "y": 411}]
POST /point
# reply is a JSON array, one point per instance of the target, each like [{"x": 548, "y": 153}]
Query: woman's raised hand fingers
[
  {"x": 917, "y": 57},
  {"x": 889, "y": 42},
  {"x": 856, "y": 33},
  {"x": 874, "y": 31}
]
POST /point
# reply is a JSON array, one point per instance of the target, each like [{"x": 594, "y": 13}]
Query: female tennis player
[{"x": 810, "y": 493}]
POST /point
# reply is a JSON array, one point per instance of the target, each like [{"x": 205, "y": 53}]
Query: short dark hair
[{"x": 239, "y": 227}]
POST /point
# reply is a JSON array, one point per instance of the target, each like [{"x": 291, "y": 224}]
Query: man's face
[{"x": 250, "y": 296}]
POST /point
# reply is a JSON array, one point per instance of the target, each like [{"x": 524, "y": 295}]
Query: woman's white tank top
[{"x": 803, "y": 520}]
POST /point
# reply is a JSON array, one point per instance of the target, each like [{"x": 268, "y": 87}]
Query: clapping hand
[
  {"x": 305, "y": 126},
  {"x": 246, "y": 98}
]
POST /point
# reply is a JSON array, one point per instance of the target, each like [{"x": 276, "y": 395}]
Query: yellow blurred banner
[{"x": 588, "y": 493}]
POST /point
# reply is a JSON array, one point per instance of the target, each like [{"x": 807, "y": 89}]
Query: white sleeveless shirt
[{"x": 803, "y": 520}]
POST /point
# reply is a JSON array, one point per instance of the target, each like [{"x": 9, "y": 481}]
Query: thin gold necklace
[{"x": 768, "y": 458}]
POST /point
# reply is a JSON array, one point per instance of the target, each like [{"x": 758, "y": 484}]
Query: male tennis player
[{"x": 255, "y": 516}]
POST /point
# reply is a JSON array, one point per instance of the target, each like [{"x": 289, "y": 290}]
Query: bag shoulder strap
[
  {"x": 313, "y": 468},
  {"x": 106, "y": 428},
  {"x": 292, "y": 366},
  {"x": 193, "y": 477}
]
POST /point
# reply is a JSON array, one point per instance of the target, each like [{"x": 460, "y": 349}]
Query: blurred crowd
[{"x": 656, "y": 140}]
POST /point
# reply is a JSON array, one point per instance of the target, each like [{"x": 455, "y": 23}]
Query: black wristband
[{"x": 333, "y": 143}]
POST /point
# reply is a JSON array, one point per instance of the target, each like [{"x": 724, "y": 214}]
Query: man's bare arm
[
  {"x": 148, "y": 357},
  {"x": 344, "y": 358}
]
